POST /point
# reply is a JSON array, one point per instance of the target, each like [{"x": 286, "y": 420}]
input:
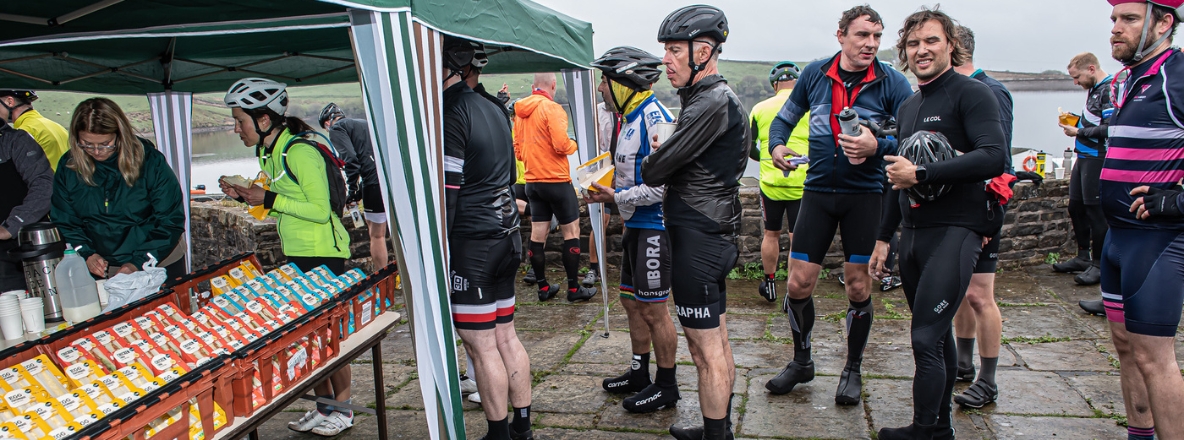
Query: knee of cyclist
[
  {"x": 800, "y": 287},
  {"x": 979, "y": 302}
]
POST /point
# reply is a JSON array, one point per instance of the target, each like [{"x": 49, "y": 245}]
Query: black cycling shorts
[
  {"x": 483, "y": 273},
  {"x": 372, "y": 199},
  {"x": 1141, "y": 273},
  {"x": 775, "y": 212},
  {"x": 703, "y": 261},
  {"x": 988, "y": 260},
  {"x": 1084, "y": 184},
  {"x": 856, "y": 215},
  {"x": 645, "y": 265},
  {"x": 520, "y": 192},
  {"x": 552, "y": 199}
]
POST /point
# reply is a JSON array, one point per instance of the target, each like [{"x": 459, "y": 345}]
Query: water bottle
[
  {"x": 849, "y": 125},
  {"x": 77, "y": 291},
  {"x": 1068, "y": 163}
]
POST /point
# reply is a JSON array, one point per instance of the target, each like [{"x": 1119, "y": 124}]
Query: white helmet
[{"x": 253, "y": 93}]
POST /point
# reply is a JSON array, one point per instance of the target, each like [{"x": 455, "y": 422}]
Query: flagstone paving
[{"x": 1057, "y": 372}]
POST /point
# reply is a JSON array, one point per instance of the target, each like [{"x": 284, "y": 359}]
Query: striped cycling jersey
[
  {"x": 640, "y": 204},
  {"x": 1146, "y": 144}
]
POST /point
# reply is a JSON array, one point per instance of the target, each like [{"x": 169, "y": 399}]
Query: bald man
[{"x": 541, "y": 143}]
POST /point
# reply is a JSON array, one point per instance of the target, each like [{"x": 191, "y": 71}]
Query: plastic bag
[{"x": 127, "y": 288}]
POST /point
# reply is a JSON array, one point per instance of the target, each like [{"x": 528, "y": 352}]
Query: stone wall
[
  {"x": 1036, "y": 225},
  {"x": 220, "y": 230}
]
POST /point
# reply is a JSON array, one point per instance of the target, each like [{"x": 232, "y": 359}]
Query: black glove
[
  {"x": 1163, "y": 203},
  {"x": 353, "y": 197}
]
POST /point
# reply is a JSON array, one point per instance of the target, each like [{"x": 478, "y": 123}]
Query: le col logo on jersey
[{"x": 932, "y": 119}]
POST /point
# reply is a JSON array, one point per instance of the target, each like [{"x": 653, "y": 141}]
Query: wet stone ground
[{"x": 1057, "y": 372}]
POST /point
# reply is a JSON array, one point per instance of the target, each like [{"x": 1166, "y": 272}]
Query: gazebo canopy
[{"x": 140, "y": 46}]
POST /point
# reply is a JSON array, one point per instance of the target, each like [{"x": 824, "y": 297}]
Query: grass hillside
[{"x": 749, "y": 79}]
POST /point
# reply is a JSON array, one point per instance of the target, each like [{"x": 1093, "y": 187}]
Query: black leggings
[
  {"x": 935, "y": 269},
  {"x": 1089, "y": 227}
]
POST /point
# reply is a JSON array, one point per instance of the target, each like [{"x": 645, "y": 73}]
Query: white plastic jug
[{"x": 77, "y": 290}]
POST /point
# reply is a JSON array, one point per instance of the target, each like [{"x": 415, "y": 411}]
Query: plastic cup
[
  {"x": 12, "y": 326},
  {"x": 663, "y": 130},
  {"x": 34, "y": 319},
  {"x": 17, "y": 293},
  {"x": 1059, "y": 173}
]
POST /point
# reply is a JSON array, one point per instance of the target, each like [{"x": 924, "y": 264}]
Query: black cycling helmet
[
  {"x": 24, "y": 95},
  {"x": 922, "y": 148},
  {"x": 458, "y": 53},
  {"x": 784, "y": 71},
  {"x": 329, "y": 113},
  {"x": 694, "y": 21},
  {"x": 633, "y": 67},
  {"x": 691, "y": 22}
]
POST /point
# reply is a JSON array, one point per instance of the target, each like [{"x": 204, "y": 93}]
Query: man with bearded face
[
  {"x": 1085, "y": 209},
  {"x": 1142, "y": 258}
]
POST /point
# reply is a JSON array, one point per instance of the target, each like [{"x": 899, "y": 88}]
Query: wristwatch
[{"x": 921, "y": 173}]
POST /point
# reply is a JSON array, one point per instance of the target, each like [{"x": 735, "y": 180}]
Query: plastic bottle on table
[
  {"x": 77, "y": 291},
  {"x": 1067, "y": 164}
]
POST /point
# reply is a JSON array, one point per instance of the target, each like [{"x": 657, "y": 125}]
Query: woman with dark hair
[
  {"x": 115, "y": 196},
  {"x": 298, "y": 197}
]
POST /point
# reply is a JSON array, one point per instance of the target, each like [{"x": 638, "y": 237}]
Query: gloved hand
[
  {"x": 354, "y": 196},
  {"x": 1163, "y": 203}
]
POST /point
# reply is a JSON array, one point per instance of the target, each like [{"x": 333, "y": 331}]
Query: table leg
[
  {"x": 379, "y": 389},
  {"x": 254, "y": 435}
]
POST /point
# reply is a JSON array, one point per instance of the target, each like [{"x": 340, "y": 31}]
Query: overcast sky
[{"x": 1016, "y": 35}]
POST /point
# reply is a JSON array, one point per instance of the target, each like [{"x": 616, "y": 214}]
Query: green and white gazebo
[{"x": 170, "y": 49}]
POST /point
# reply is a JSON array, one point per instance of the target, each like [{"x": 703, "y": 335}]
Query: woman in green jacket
[
  {"x": 310, "y": 233},
  {"x": 116, "y": 197}
]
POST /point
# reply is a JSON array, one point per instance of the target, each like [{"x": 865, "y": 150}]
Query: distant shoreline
[{"x": 1040, "y": 85}]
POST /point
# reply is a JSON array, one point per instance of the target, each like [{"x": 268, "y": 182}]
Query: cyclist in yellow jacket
[
  {"x": 781, "y": 192},
  {"x": 16, "y": 107}
]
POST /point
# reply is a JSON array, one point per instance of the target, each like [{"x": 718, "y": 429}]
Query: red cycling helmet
[{"x": 1176, "y": 6}]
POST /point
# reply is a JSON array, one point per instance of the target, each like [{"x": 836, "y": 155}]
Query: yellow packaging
[
  {"x": 47, "y": 375},
  {"x": 250, "y": 269},
  {"x": 31, "y": 425},
  {"x": 14, "y": 378},
  {"x": 137, "y": 375},
  {"x": 97, "y": 392},
  {"x": 121, "y": 388},
  {"x": 83, "y": 373},
  {"x": 221, "y": 284},
  {"x": 21, "y": 400},
  {"x": 195, "y": 430},
  {"x": 52, "y": 412},
  {"x": 65, "y": 431},
  {"x": 238, "y": 276},
  {"x": 8, "y": 430}
]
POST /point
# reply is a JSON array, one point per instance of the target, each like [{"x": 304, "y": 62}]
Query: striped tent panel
[
  {"x": 172, "y": 113},
  {"x": 581, "y": 91},
  {"x": 396, "y": 58}
]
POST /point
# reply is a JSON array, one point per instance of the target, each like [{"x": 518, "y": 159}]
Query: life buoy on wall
[{"x": 1030, "y": 164}]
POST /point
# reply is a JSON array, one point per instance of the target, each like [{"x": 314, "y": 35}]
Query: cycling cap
[
  {"x": 694, "y": 21},
  {"x": 784, "y": 71},
  {"x": 23, "y": 94},
  {"x": 257, "y": 93},
  {"x": 630, "y": 66},
  {"x": 330, "y": 112},
  {"x": 923, "y": 148}
]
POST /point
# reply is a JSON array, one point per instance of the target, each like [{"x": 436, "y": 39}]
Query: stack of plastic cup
[
  {"x": 33, "y": 314},
  {"x": 11, "y": 324}
]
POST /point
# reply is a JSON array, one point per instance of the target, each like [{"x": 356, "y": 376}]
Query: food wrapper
[
  {"x": 84, "y": 372},
  {"x": 8, "y": 430},
  {"x": 238, "y": 276},
  {"x": 221, "y": 284},
  {"x": 31, "y": 425},
  {"x": 291, "y": 271},
  {"x": 1067, "y": 118}
]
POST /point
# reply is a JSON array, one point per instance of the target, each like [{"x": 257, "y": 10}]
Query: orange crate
[
  {"x": 198, "y": 281},
  {"x": 262, "y": 357},
  {"x": 211, "y": 386}
]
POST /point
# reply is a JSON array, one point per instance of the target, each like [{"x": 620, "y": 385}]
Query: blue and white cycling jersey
[{"x": 640, "y": 204}]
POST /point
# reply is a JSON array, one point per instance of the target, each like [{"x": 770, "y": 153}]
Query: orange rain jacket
[{"x": 540, "y": 139}]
